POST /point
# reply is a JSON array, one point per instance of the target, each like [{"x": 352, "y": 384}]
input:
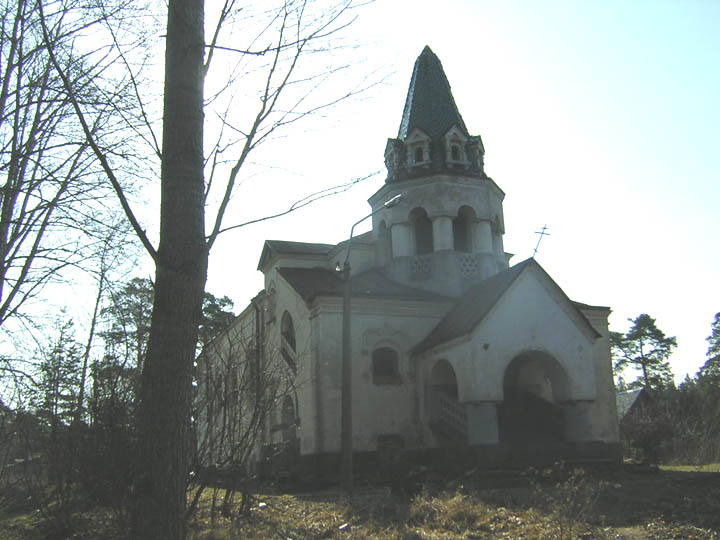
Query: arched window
[
  {"x": 418, "y": 147},
  {"x": 385, "y": 366},
  {"x": 287, "y": 329},
  {"x": 454, "y": 143},
  {"x": 462, "y": 236},
  {"x": 287, "y": 341},
  {"x": 423, "y": 231}
]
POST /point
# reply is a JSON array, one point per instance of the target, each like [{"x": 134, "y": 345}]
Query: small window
[
  {"x": 385, "y": 366},
  {"x": 419, "y": 155}
]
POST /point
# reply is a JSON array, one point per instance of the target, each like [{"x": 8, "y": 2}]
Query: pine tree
[
  {"x": 59, "y": 380},
  {"x": 711, "y": 369},
  {"x": 647, "y": 348}
]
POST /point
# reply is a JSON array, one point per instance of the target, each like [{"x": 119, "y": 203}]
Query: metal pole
[
  {"x": 346, "y": 445},
  {"x": 346, "y": 403}
]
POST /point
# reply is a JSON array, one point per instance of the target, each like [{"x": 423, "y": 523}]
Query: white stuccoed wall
[
  {"x": 377, "y": 409},
  {"x": 531, "y": 317}
]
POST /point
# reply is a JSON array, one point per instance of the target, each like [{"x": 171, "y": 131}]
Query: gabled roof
[
  {"x": 429, "y": 104},
  {"x": 273, "y": 248},
  {"x": 477, "y": 302},
  {"x": 310, "y": 283},
  {"x": 471, "y": 309}
]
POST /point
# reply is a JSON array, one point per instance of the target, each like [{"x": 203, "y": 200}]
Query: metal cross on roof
[{"x": 541, "y": 233}]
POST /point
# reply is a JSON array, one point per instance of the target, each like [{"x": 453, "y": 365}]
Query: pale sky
[{"x": 599, "y": 118}]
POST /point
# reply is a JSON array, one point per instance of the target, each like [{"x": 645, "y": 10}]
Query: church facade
[{"x": 452, "y": 347}]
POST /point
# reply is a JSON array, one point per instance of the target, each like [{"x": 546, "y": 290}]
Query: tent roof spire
[{"x": 429, "y": 104}]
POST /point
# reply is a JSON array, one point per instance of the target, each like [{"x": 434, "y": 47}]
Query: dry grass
[
  {"x": 672, "y": 504},
  {"x": 375, "y": 514},
  {"x": 555, "y": 505}
]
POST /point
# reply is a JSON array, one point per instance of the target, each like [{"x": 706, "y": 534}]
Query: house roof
[
  {"x": 272, "y": 248},
  {"x": 310, "y": 283},
  {"x": 626, "y": 400},
  {"x": 477, "y": 302},
  {"x": 429, "y": 104}
]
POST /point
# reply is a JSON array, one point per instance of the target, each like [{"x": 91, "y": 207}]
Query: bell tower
[{"x": 447, "y": 232}]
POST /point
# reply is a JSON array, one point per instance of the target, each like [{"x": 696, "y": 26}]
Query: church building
[{"x": 452, "y": 347}]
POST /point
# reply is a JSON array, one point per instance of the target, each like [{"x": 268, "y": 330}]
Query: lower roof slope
[
  {"x": 477, "y": 302},
  {"x": 310, "y": 283}
]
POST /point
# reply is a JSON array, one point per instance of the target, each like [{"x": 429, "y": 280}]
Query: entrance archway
[
  {"x": 443, "y": 379},
  {"x": 534, "y": 387},
  {"x": 446, "y": 416}
]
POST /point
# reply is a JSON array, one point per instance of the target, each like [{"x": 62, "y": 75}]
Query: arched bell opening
[
  {"x": 422, "y": 231},
  {"x": 384, "y": 244},
  {"x": 534, "y": 387},
  {"x": 462, "y": 229}
]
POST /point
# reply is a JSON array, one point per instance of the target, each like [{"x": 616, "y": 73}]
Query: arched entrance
[
  {"x": 446, "y": 416},
  {"x": 443, "y": 379},
  {"x": 534, "y": 387}
]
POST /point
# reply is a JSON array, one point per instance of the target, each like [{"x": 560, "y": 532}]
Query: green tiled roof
[{"x": 429, "y": 105}]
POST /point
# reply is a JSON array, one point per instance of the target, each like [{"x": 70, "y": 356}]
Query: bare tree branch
[
  {"x": 70, "y": 91},
  {"x": 305, "y": 201}
]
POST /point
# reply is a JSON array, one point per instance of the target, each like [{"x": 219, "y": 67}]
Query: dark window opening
[
  {"x": 385, "y": 366},
  {"x": 419, "y": 155}
]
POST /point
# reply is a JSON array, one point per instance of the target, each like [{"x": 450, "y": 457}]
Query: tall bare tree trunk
[{"x": 181, "y": 271}]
